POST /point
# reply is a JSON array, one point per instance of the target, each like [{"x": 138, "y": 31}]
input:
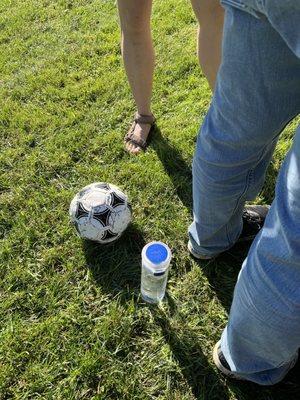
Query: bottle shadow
[{"x": 116, "y": 269}]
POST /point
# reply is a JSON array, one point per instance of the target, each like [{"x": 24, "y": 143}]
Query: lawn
[{"x": 73, "y": 325}]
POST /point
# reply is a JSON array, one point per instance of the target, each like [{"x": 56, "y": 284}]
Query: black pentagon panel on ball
[
  {"x": 109, "y": 235},
  {"x": 104, "y": 186},
  {"x": 103, "y": 216},
  {"x": 81, "y": 211},
  {"x": 116, "y": 200}
]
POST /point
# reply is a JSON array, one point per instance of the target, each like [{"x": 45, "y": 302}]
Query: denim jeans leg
[
  {"x": 262, "y": 338},
  {"x": 284, "y": 15},
  {"x": 257, "y": 93}
]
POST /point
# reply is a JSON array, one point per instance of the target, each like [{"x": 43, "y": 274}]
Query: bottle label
[{"x": 159, "y": 273}]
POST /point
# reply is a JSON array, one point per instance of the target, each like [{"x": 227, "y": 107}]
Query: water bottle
[{"x": 156, "y": 257}]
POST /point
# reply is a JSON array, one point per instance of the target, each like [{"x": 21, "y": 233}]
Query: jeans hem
[{"x": 210, "y": 254}]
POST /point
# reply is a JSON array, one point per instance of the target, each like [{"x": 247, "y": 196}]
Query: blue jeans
[{"x": 257, "y": 94}]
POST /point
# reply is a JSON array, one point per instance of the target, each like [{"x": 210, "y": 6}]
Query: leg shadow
[
  {"x": 222, "y": 275},
  {"x": 222, "y": 272},
  {"x": 175, "y": 166},
  {"x": 288, "y": 389},
  {"x": 185, "y": 345}
]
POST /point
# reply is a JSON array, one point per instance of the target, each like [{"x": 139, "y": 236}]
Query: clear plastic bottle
[{"x": 156, "y": 257}]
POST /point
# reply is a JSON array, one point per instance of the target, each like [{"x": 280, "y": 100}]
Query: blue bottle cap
[{"x": 157, "y": 253}]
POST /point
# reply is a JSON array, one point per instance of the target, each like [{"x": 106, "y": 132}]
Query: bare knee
[
  {"x": 208, "y": 11},
  {"x": 135, "y": 17},
  {"x": 135, "y": 28}
]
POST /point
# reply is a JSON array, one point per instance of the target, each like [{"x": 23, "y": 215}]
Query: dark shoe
[
  {"x": 222, "y": 364},
  {"x": 253, "y": 220}
]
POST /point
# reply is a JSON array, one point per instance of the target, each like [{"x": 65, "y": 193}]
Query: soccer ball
[{"x": 100, "y": 212}]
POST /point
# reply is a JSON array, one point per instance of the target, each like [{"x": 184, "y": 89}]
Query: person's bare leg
[
  {"x": 138, "y": 56},
  {"x": 210, "y": 15}
]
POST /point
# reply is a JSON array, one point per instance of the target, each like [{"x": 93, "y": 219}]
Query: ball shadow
[{"x": 116, "y": 267}]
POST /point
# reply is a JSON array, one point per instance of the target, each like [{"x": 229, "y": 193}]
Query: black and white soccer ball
[{"x": 100, "y": 212}]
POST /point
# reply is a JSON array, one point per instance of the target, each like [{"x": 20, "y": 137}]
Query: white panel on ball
[{"x": 100, "y": 212}]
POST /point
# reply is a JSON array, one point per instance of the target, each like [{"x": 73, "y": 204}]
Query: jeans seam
[
  {"x": 235, "y": 3},
  {"x": 242, "y": 196},
  {"x": 241, "y": 6},
  {"x": 249, "y": 181}
]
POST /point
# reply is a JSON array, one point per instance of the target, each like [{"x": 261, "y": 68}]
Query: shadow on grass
[
  {"x": 175, "y": 166},
  {"x": 116, "y": 267},
  {"x": 288, "y": 389},
  {"x": 223, "y": 271},
  {"x": 185, "y": 345},
  {"x": 222, "y": 274}
]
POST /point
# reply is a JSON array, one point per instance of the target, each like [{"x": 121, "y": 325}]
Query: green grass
[{"x": 73, "y": 325}]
